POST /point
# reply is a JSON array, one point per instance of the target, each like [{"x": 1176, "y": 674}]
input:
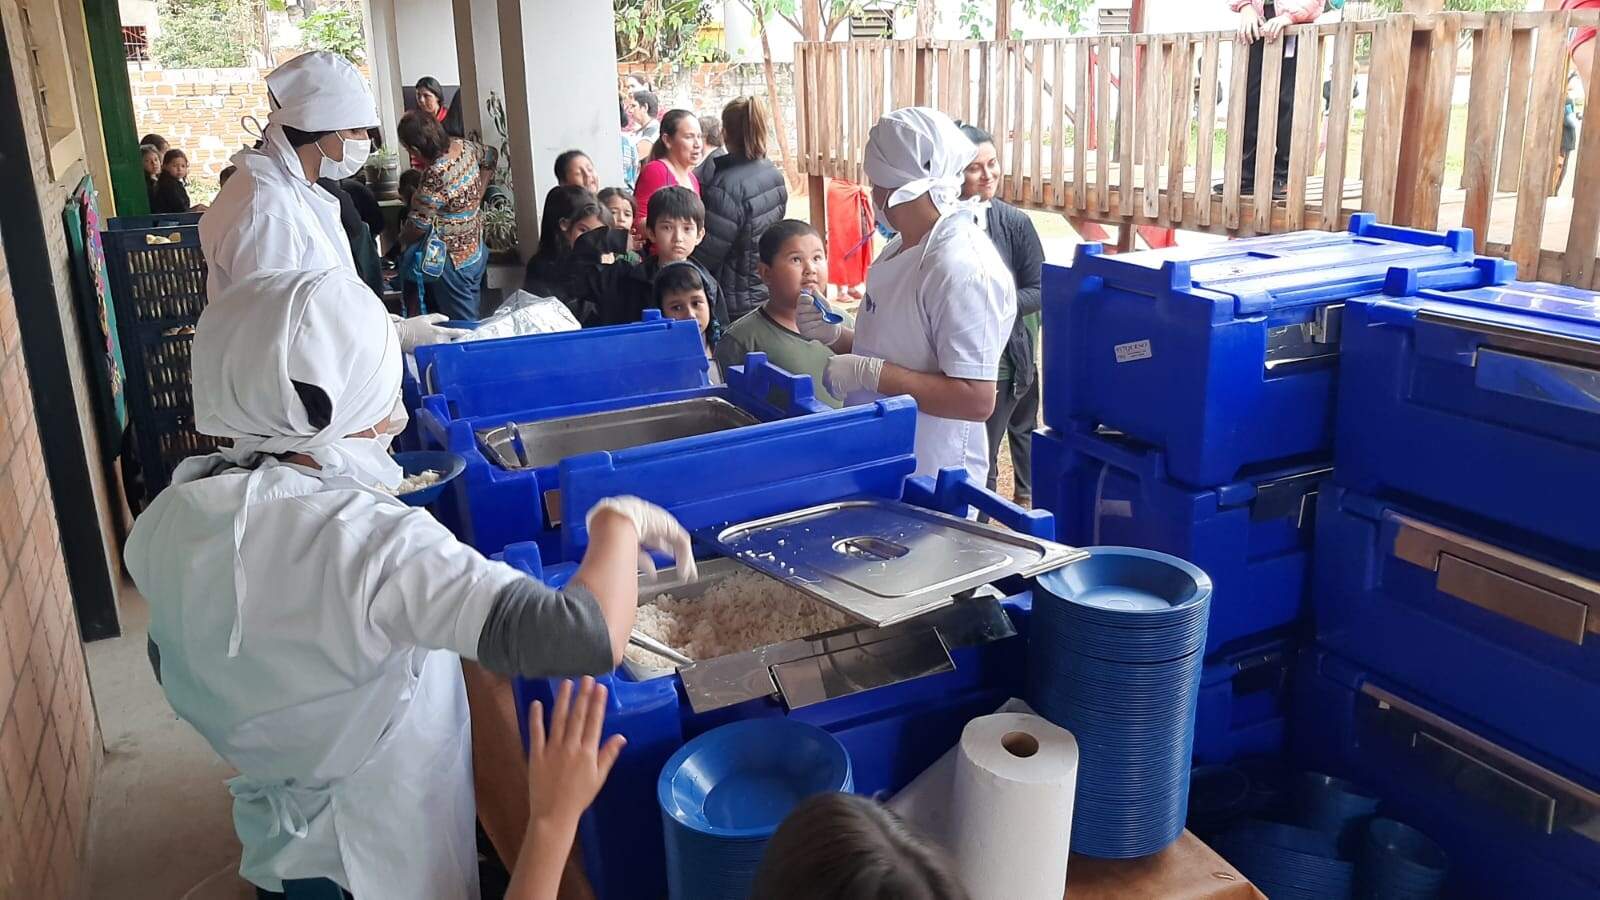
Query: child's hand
[{"x": 567, "y": 768}]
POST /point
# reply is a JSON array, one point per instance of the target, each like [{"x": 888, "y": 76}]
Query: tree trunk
[
  {"x": 791, "y": 172},
  {"x": 927, "y": 13}
]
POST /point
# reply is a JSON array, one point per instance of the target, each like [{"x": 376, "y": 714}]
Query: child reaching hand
[
  {"x": 793, "y": 265},
  {"x": 680, "y": 293}
]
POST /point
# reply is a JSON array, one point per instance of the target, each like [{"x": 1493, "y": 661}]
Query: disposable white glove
[
  {"x": 847, "y": 373},
  {"x": 813, "y": 327},
  {"x": 418, "y": 331},
  {"x": 657, "y": 530}
]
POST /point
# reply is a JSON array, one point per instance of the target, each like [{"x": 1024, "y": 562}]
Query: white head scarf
[
  {"x": 321, "y": 328},
  {"x": 915, "y": 151},
  {"x": 320, "y": 91}
]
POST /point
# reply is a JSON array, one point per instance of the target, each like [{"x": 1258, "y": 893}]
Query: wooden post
[
  {"x": 1416, "y": 141},
  {"x": 927, "y": 12},
  {"x": 816, "y": 184},
  {"x": 1002, "y": 20}
]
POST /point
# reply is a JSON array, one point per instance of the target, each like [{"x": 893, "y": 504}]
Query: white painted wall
[
  {"x": 560, "y": 70},
  {"x": 426, "y": 33}
]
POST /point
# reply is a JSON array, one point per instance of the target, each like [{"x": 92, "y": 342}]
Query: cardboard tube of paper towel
[{"x": 1010, "y": 824}]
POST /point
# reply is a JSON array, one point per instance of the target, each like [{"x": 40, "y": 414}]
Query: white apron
[
  {"x": 400, "y": 825},
  {"x": 893, "y": 324}
]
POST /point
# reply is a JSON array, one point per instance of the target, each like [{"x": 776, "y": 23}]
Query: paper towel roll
[{"x": 1010, "y": 824}]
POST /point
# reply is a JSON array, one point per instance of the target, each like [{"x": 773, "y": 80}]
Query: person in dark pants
[
  {"x": 1259, "y": 23},
  {"x": 1016, "y": 405}
]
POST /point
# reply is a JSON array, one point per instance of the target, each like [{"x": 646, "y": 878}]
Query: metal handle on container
[
  {"x": 1483, "y": 769},
  {"x": 1293, "y": 496},
  {"x": 1517, "y": 587},
  {"x": 1541, "y": 380},
  {"x": 1564, "y": 348},
  {"x": 857, "y": 667}
]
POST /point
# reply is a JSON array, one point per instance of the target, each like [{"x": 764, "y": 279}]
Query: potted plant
[{"x": 383, "y": 173}]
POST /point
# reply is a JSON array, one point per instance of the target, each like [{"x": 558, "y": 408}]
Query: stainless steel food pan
[{"x": 530, "y": 445}]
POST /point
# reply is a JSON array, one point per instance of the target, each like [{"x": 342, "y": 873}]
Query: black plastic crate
[{"x": 158, "y": 283}]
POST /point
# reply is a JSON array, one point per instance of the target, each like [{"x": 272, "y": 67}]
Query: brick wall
[
  {"x": 198, "y": 110},
  {"x": 49, "y": 742},
  {"x": 706, "y": 89}
]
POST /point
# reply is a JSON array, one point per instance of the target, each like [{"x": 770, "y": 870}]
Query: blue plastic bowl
[
  {"x": 1129, "y": 580},
  {"x": 415, "y": 462},
  {"x": 742, "y": 779}
]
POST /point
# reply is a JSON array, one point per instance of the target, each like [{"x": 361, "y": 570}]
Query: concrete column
[
  {"x": 559, "y": 59},
  {"x": 478, "y": 60},
  {"x": 383, "y": 60}
]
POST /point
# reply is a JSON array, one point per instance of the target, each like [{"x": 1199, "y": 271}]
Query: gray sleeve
[{"x": 535, "y": 631}]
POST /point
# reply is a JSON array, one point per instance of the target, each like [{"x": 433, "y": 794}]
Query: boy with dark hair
[
  {"x": 622, "y": 291},
  {"x": 793, "y": 266},
  {"x": 680, "y": 293}
]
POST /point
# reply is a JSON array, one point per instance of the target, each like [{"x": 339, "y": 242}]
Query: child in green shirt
[{"x": 793, "y": 265}]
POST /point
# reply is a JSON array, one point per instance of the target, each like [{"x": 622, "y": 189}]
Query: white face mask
[
  {"x": 884, "y": 228},
  {"x": 356, "y": 152}
]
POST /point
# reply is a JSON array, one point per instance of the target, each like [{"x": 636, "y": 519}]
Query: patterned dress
[{"x": 449, "y": 200}]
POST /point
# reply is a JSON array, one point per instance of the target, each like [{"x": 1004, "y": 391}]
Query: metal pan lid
[{"x": 882, "y": 561}]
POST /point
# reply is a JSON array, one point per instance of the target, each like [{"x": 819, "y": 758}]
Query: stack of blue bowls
[
  {"x": 1334, "y": 806},
  {"x": 1399, "y": 862},
  {"x": 723, "y": 794},
  {"x": 1114, "y": 657},
  {"x": 1288, "y": 862}
]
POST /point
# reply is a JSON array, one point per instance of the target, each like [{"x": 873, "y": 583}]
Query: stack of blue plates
[
  {"x": 1114, "y": 657},
  {"x": 1399, "y": 862},
  {"x": 1287, "y": 862},
  {"x": 1334, "y": 806},
  {"x": 724, "y": 793}
]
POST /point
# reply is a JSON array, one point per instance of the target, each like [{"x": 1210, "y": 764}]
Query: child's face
[
  {"x": 152, "y": 164},
  {"x": 177, "y": 168},
  {"x": 687, "y": 305},
  {"x": 578, "y": 229},
  {"x": 621, "y": 213},
  {"x": 675, "y": 239},
  {"x": 801, "y": 265}
]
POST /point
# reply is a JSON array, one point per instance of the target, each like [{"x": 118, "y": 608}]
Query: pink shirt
[
  {"x": 655, "y": 175},
  {"x": 1298, "y": 11}
]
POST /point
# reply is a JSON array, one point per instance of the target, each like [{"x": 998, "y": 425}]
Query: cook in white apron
[
  {"x": 271, "y": 214},
  {"x": 939, "y": 303},
  {"x": 309, "y": 625}
]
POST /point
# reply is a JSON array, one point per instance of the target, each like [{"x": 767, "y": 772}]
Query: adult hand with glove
[
  {"x": 656, "y": 529},
  {"x": 419, "y": 331},
  {"x": 848, "y": 373},
  {"x": 813, "y": 326}
]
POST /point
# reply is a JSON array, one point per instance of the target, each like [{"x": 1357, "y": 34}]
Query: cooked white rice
[
  {"x": 744, "y": 611},
  {"x": 412, "y": 483}
]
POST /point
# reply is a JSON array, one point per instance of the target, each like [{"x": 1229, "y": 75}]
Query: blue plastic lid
[
  {"x": 1283, "y": 270},
  {"x": 741, "y": 780},
  {"x": 1526, "y": 301}
]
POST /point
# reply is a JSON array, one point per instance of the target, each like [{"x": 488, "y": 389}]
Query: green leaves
[
  {"x": 205, "y": 34},
  {"x": 334, "y": 28}
]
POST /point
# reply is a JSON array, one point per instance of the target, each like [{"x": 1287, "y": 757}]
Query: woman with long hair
[
  {"x": 672, "y": 160},
  {"x": 1016, "y": 406},
  {"x": 744, "y": 194},
  {"x": 448, "y": 204}
]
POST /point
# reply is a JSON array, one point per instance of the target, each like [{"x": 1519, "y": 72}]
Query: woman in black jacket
[
  {"x": 744, "y": 195},
  {"x": 1016, "y": 408}
]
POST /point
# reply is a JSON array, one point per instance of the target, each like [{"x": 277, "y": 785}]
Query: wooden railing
[{"x": 1148, "y": 129}]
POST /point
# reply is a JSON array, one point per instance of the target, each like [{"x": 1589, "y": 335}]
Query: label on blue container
[{"x": 1133, "y": 350}]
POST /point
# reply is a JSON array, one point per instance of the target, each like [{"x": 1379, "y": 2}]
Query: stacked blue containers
[
  {"x": 1189, "y": 404},
  {"x": 892, "y": 733},
  {"x": 1458, "y": 577},
  {"x": 476, "y": 386}
]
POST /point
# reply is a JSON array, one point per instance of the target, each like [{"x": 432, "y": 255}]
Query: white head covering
[
  {"x": 320, "y": 91},
  {"x": 915, "y": 151},
  {"x": 322, "y": 328}
]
